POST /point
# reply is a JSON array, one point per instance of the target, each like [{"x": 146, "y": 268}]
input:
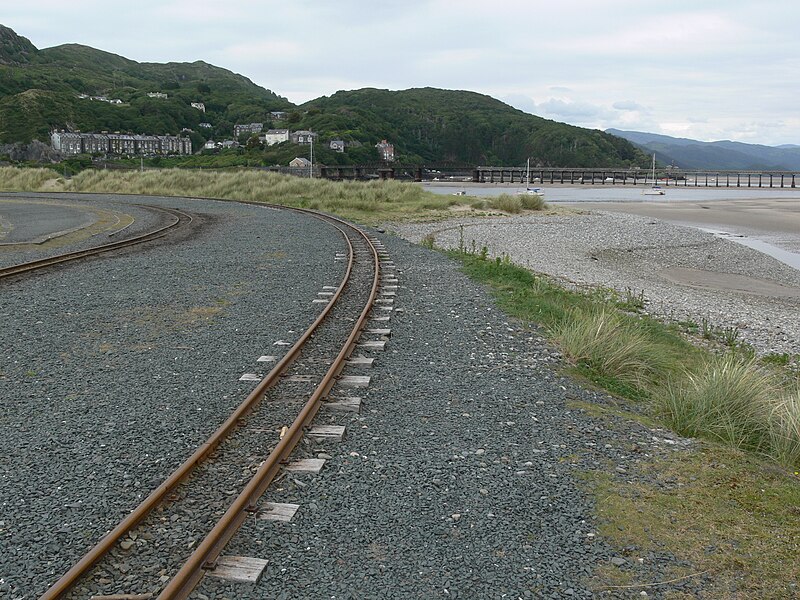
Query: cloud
[{"x": 628, "y": 105}]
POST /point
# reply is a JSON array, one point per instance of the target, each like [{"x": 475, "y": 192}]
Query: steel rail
[
  {"x": 108, "y": 541},
  {"x": 207, "y": 552},
  {"x": 60, "y": 258}
]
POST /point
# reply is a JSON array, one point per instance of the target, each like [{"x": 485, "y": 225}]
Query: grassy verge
[
  {"x": 365, "y": 202},
  {"x": 731, "y": 519},
  {"x": 729, "y": 508}
]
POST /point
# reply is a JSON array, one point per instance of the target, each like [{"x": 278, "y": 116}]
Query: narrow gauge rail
[
  {"x": 355, "y": 295},
  {"x": 181, "y": 219}
]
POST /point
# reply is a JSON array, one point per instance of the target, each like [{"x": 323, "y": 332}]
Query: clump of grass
[
  {"x": 600, "y": 338},
  {"x": 429, "y": 241},
  {"x": 507, "y": 203},
  {"x": 736, "y": 402},
  {"x": 784, "y": 426},
  {"x": 533, "y": 202},
  {"x": 516, "y": 204}
]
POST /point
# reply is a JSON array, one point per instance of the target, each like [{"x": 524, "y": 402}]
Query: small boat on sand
[{"x": 656, "y": 190}]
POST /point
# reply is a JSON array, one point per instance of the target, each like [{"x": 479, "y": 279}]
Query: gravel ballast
[
  {"x": 461, "y": 477},
  {"x": 114, "y": 369}
]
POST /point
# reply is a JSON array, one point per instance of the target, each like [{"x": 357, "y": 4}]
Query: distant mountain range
[
  {"x": 75, "y": 87},
  {"x": 723, "y": 155}
]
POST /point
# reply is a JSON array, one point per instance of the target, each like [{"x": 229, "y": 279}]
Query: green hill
[
  {"x": 40, "y": 91},
  {"x": 433, "y": 125}
]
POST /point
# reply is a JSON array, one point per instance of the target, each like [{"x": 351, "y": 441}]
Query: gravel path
[
  {"x": 460, "y": 477},
  {"x": 628, "y": 252}
]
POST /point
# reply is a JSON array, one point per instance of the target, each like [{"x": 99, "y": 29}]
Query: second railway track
[
  {"x": 177, "y": 535},
  {"x": 179, "y": 219}
]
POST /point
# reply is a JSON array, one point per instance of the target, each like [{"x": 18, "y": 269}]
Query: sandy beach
[{"x": 776, "y": 221}]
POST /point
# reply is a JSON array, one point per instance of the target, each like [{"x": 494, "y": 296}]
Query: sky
[{"x": 701, "y": 69}]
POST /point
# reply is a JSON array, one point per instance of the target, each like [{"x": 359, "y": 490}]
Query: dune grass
[
  {"x": 13, "y": 179},
  {"x": 599, "y": 337},
  {"x": 370, "y": 202},
  {"x": 515, "y": 204}
]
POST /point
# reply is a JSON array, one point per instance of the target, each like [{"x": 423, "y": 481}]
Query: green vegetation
[
  {"x": 732, "y": 517},
  {"x": 729, "y": 398},
  {"x": 433, "y": 125},
  {"x": 39, "y": 92}
]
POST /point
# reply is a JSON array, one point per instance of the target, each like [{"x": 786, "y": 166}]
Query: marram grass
[
  {"x": 368, "y": 202},
  {"x": 736, "y": 402},
  {"x": 600, "y": 338}
]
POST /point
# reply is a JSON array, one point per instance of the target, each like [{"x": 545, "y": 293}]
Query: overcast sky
[{"x": 702, "y": 69}]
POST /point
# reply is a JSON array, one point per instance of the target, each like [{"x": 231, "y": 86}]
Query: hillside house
[
  {"x": 337, "y": 145},
  {"x": 156, "y": 95},
  {"x": 302, "y": 137},
  {"x": 278, "y": 115},
  {"x": 249, "y": 128},
  {"x": 300, "y": 162},
  {"x": 385, "y": 150},
  {"x": 199, "y": 106},
  {"x": 276, "y": 136}
]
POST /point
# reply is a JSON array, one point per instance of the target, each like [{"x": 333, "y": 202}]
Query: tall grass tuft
[
  {"x": 726, "y": 399},
  {"x": 507, "y": 203},
  {"x": 784, "y": 426},
  {"x": 604, "y": 341},
  {"x": 533, "y": 202}
]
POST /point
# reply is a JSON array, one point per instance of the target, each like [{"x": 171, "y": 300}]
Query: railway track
[
  {"x": 177, "y": 535},
  {"x": 180, "y": 219}
]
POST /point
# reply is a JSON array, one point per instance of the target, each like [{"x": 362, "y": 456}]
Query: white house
[{"x": 276, "y": 136}]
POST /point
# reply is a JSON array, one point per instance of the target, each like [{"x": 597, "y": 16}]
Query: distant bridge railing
[{"x": 570, "y": 175}]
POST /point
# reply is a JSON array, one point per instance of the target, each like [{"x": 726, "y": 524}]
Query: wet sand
[{"x": 775, "y": 221}]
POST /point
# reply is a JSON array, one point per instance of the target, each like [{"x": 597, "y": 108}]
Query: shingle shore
[{"x": 628, "y": 252}]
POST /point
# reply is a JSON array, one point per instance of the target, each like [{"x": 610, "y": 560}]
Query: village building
[
  {"x": 337, "y": 145},
  {"x": 199, "y": 106},
  {"x": 302, "y": 137},
  {"x": 300, "y": 162},
  {"x": 156, "y": 95},
  {"x": 276, "y": 136},
  {"x": 278, "y": 115},
  {"x": 249, "y": 128},
  {"x": 385, "y": 150}
]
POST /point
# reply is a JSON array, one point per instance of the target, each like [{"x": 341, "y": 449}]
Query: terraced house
[{"x": 71, "y": 144}]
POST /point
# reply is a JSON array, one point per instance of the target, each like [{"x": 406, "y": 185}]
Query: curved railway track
[
  {"x": 316, "y": 359},
  {"x": 180, "y": 219}
]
